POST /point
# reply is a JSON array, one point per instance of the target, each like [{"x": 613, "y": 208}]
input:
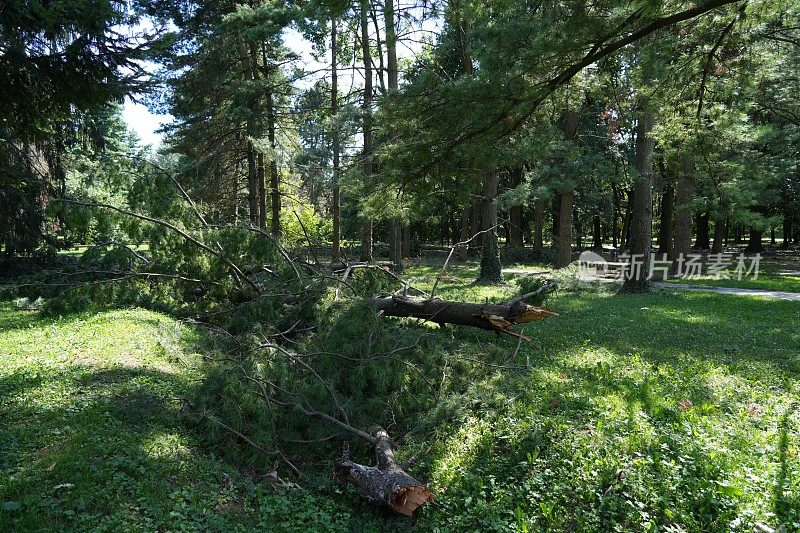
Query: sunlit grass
[{"x": 671, "y": 410}]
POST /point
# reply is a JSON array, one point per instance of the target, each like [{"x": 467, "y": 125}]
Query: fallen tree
[
  {"x": 498, "y": 317},
  {"x": 385, "y": 484}
]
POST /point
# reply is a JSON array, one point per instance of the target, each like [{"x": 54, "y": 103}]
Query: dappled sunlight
[
  {"x": 159, "y": 444},
  {"x": 459, "y": 451}
]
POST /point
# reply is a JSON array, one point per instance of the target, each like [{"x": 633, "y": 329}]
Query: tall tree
[
  {"x": 642, "y": 217},
  {"x": 367, "y": 156}
]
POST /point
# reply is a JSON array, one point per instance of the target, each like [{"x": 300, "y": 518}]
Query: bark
[
  {"x": 538, "y": 225},
  {"x": 385, "y": 484},
  {"x": 570, "y": 122},
  {"x": 274, "y": 178},
  {"x": 337, "y": 202},
  {"x": 366, "y": 228},
  {"x": 667, "y": 212},
  {"x": 787, "y": 230},
  {"x": 476, "y": 224},
  {"x": 366, "y": 240},
  {"x": 564, "y": 258},
  {"x": 259, "y": 171},
  {"x": 406, "y": 241},
  {"x": 497, "y": 317},
  {"x": 491, "y": 268},
  {"x": 702, "y": 241},
  {"x": 684, "y": 196},
  {"x": 515, "y": 236},
  {"x": 395, "y": 225},
  {"x": 754, "y": 245},
  {"x": 396, "y": 244},
  {"x": 555, "y": 211},
  {"x": 719, "y": 236},
  {"x": 252, "y": 131},
  {"x": 642, "y": 214},
  {"x": 597, "y": 233},
  {"x": 625, "y": 237},
  {"x": 262, "y": 192}
]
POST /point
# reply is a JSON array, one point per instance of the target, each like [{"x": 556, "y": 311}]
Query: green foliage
[{"x": 529, "y": 284}]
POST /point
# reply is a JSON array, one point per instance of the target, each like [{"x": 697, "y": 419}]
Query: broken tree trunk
[
  {"x": 386, "y": 483},
  {"x": 498, "y": 317}
]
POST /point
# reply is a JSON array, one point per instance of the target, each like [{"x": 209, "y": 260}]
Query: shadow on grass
[
  {"x": 608, "y": 411},
  {"x": 103, "y": 447}
]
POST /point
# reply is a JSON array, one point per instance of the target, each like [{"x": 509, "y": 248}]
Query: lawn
[
  {"x": 672, "y": 412},
  {"x": 772, "y": 276},
  {"x": 95, "y": 435}
]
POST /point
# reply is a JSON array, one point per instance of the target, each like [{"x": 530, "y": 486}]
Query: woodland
[{"x": 345, "y": 290}]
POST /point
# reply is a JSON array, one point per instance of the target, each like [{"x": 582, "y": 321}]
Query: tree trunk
[
  {"x": 498, "y": 317},
  {"x": 684, "y": 196},
  {"x": 637, "y": 279},
  {"x": 366, "y": 228},
  {"x": 754, "y": 245},
  {"x": 564, "y": 257},
  {"x": 625, "y": 236},
  {"x": 787, "y": 230},
  {"x": 538, "y": 224},
  {"x": 395, "y": 225},
  {"x": 597, "y": 233},
  {"x": 667, "y": 212},
  {"x": 463, "y": 251},
  {"x": 336, "y": 250},
  {"x": 407, "y": 241},
  {"x": 719, "y": 236},
  {"x": 396, "y": 244},
  {"x": 251, "y": 129},
  {"x": 477, "y": 225},
  {"x": 555, "y": 210},
  {"x": 386, "y": 483},
  {"x": 262, "y": 192},
  {"x": 515, "y": 235},
  {"x": 491, "y": 268},
  {"x": 702, "y": 241},
  {"x": 569, "y": 125},
  {"x": 274, "y": 178}
]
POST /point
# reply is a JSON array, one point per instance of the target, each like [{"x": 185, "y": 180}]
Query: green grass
[
  {"x": 94, "y": 434},
  {"x": 672, "y": 411},
  {"x": 667, "y": 410},
  {"x": 769, "y": 279}
]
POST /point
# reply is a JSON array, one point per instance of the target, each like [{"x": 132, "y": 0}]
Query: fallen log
[
  {"x": 385, "y": 484},
  {"x": 498, "y": 317}
]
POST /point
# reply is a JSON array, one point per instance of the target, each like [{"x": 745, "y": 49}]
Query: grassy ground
[
  {"x": 94, "y": 436},
  {"x": 672, "y": 411},
  {"x": 771, "y": 277}
]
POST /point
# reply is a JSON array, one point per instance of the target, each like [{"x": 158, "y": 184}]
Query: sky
[{"x": 146, "y": 124}]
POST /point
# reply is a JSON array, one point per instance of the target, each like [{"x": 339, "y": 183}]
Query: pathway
[{"x": 775, "y": 295}]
